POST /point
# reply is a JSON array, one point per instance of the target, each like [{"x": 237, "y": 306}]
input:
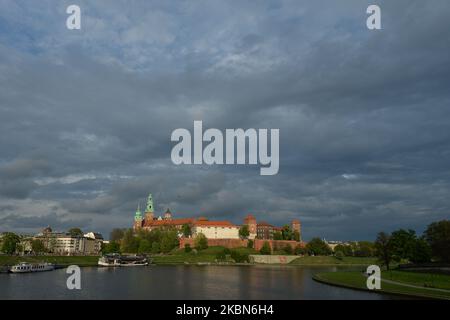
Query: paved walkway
[{"x": 413, "y": 286}]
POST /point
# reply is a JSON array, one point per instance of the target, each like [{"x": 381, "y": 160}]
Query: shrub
[
  {"x": 339, "y": 255},
  {"x": 250, "y": 244},
  {"x": 201, "y": 242},
  {"x": 265, "y": 249},
  {"x": 288, "y": 249},
  {"x": 239, "y": 257},
  {"x": 300, "y": 250},
  {"x": 187, "y": 248}
]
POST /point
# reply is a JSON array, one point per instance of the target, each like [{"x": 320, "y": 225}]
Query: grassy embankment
[
  {"x": 332, "y": 261},
  {"x": 425, "y": 285},
  {"x": 208, "y": 255},
  {"x": 59, "y": 260}
]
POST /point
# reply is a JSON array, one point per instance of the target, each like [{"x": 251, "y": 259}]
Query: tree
[
  {"x": 299, "y": 250},
  {"x": 155, "y": 248},
  {"x": 437, "y": 235},
  {"x": 10, "y": 242},
  {"x": 288, "y": 250},
  {"x": 37, "y": 246},
  {"x": 345, "y": 249},
  {"x": 145, "y": 246},
  {"x": 296, "y": 236},
  {"x": 403, "y": 244},
  {"x": 244, "y": 232},
  {"x": 265, "y": 249},
  {"x": 286, "y": 233},
  {"x": 169, "y": 241},
  {"x": 277, "y": 235},
  {"x": 318, "y": 247},
  {"x": 116, "y": 234},
  {"x": 186, "y": 230},
  {"x": 339, "y": 255},
  {"x": 383, "y": 248},
  {"x": 201, "y": 242},
  {"x": 111, "y": 247},
  {"x": 130, "y": 243},
  {"x": 187, "y": 248},
  {"x": 364, "y": 249},
  {"x": 250, "y": 244},
  {"x": 421, "y": 252},
  {"x": 75, "y": 232}
]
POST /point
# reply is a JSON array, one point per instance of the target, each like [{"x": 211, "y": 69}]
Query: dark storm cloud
[{"x": 86, "y": 118}]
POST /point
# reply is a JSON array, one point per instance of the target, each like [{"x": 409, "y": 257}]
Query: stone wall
[
  {"x": 236, "y": 243},
  {"x": 272, "y": 259}
]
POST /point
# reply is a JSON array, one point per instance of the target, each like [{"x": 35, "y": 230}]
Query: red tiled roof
[
  {"x": 264, "y": 224},
  {"x": 173, "y": 222}
]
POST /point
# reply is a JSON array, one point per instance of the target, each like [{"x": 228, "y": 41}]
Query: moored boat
[
  {"x": 25, "y": 267},
  {"x": 116, "y": 260}
]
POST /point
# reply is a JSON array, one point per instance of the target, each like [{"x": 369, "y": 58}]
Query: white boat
[
  {"x": 25, "y": 267},
  {"x": 116, "y": 260}
]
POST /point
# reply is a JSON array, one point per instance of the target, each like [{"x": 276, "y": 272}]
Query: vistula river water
[{"x": 180, "y": 282}]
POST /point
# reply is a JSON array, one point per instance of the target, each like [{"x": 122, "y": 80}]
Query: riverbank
[
  {"x": 405, "y": 283},
  {"x": 82, "y": 261},
  {"x": 333, "y": 261}
]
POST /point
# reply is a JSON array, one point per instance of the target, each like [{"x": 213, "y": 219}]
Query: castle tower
[
  {"x": 168, "y": 215},
  {"x": 149, "y": 213},
  {"x": 250, "y": 221},
  {"x": 297, "y": 226},
  {"x": 138, "y": 218}
]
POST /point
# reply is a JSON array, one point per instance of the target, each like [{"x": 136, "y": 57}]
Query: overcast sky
[{"x": 364, "y": 116}]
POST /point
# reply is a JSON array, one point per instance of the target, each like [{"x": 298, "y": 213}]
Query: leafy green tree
[
  {"x": 169, "y": 241},
  {"x": 403, "y": 244},
  {"x": 116, "y": 234},
  {"x": 384, "y": 249},
  {"x": 288, "y": 250},
  {"x": 145, "y": 246},
  {"x": 156, "y": 248},
  {"x": 286, "y": 233},
  {"x": 186, "y": 230},
  {"x": 111, "y": 247},
  {"x": 437, "y": 235},
  {"x": 187, "y": 248},
  {"x": 421, "y": 252},
  {"x": 277, "y": 235},
  {"x": 201, "y": 242},
  {"x": 339, "y": 255},
  {"x": 75, "y": 232},
  {"x": 318, "y": 247},
  {"x": 244, "y": 232},
  {"x": 250, "y": 244},
  {"x": 37, "y": 246},
  {"x": 345, "y": 249},
  {"x": 364, "y": 249},
  {"x": 265, "y": 249},
  {"x": 239, "y": 257},
  {"x": 10, "y": 242},
  {"x": 299, "y": 250},
  {"x": 130, "y": 243}
]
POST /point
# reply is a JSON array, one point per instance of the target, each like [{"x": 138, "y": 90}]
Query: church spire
[
  {"x": 149, "y": 203},
  {"x": 138, "y": 215}
]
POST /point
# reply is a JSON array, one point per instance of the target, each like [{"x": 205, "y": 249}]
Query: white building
[{"x": 216, "y": 229}]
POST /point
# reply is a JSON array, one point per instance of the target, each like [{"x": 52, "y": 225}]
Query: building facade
[{"x": 211, "y": 229}]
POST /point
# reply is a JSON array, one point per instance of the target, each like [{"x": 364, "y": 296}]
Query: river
[{"x": 180, "y": 282}]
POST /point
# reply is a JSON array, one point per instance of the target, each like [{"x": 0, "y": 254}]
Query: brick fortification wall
[
  {"x": 236, "y": 243},
  {"x": 227, "y": 243}
]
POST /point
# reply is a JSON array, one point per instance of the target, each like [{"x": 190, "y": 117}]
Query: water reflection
[{"x": 180, "y": 282}]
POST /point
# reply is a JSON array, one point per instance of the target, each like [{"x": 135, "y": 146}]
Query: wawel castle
[{"x": 212, "y": 229}]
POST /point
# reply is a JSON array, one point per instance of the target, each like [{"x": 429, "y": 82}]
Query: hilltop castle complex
[{"x": 212, "y": 229}]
